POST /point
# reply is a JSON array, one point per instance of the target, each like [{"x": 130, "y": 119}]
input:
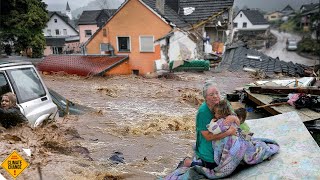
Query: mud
[{"x": 149, "y": 120}]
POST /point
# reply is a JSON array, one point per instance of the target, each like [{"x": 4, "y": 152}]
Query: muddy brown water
[{"x": 150, "y": 122}]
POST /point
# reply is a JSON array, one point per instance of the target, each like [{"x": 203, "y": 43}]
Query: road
[{"x": 279, "y": 50}]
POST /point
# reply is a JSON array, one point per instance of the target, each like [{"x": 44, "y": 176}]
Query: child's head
[
  {"x": 222, "y": 109},
  {"x": 8, "y": 100},
  {"x": 242, "y": 114}
]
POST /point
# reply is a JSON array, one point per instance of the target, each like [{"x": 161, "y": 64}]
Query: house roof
[
  {"x": 55, "y": 41},
  {"x": 63, "y": 17},
  {"x": 254, "y": 16},
  {"x": 90, "y": 17},
  {"x": 169, "y": 14},
  {"x": 58, "y": 13},
  {"x": 203, "y": 9},
  {"x": 80, "y": 64},
  {"x": 308, "y": 7},
  {"x": 314, "y": 10},
  {"x": 235, "y": 59},
  {"x": 287, "y": 8}
]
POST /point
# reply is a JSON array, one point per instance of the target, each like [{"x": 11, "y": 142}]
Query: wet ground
[
  {"x": 279, "y": 50},
  {"x": 145, "y": 125}
]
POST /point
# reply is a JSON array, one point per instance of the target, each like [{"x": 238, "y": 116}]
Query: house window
[
  {"x": 55, "y": 20},
  {"x": 273, "y": 17},
  {"x": 146, "y": 44},
  {"x": 64, "y": 31},
  {"x": 235, "y": 25},
  {"x": 104, "y": 32},
  {"x": 244, "y": 25},
  {"x": 87, "y": 33},
  {"x": 49, "y": 32},
  {"x": 57, "y": 32},
  {"x": 240, "y": 15},
  {"x": 124, "y": 44},
  {"x": 106, "y": 47}
]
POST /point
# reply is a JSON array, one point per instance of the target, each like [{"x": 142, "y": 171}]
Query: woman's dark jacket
[{"x": 11, "y": 117}]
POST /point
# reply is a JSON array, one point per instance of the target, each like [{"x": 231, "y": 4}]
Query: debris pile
[
  {"x": 237, "y": 57},
  {"x": 191, "y": 95}
]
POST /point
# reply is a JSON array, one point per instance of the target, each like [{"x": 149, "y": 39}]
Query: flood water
[{"x": 146, "y": 124}]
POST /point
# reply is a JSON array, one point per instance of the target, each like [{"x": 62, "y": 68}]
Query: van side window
[
  {"x": 4, "y": 85},
  {"x": 26, "y": 84}
]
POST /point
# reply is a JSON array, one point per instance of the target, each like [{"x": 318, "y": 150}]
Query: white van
[{"x": 33, "y": 97}]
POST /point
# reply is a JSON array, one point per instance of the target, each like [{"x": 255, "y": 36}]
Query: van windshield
[{"x": 27, "y": 84}]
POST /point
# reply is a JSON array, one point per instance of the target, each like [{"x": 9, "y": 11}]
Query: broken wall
[{"x": 181, "y": 47}]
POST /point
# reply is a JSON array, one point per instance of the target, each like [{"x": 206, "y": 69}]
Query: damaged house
[
  {"x": 148, "y": 35},
  {"x": 148, "y": 30}
]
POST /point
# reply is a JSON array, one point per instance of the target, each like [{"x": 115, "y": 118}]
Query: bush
[{"x": 308, "y": 45}]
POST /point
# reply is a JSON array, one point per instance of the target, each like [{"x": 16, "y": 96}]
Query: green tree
[{"x": 22, "y": 22}]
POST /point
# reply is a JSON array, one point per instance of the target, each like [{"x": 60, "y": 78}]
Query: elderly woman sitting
[{"x": 10, "y": 114}]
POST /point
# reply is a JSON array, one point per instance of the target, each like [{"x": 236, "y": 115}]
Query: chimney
[{"x": 160, "y": 6}]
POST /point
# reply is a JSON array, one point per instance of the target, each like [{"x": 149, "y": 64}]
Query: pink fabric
[{"x": 293, "y": 98}]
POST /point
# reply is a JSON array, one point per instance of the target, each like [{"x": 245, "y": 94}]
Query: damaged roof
[
  {"x": 255, "y": 17},
  {"x": 308, "y": 7},
  {"x": 169, "y": 14},
  {"x": 239, "y": 56},
  {"x": 83, "y": 65},
  {"x": 203, "y": 9}
]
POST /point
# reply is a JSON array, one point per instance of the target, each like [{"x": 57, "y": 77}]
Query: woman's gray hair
[{"x": 206, "y": 86}]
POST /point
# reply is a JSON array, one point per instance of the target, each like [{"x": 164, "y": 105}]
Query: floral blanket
[{"x": 228, "y": 153}]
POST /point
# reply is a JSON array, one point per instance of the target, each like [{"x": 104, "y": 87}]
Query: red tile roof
[{"x": 83, "y": 65}]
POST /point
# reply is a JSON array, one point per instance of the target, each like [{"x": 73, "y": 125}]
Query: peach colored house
[
  {"x": 132, "y": 31},
  {"x": 151, "y": 30}
]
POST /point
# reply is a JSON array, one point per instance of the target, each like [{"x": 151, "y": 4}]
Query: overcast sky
[
  {"x": 272, "y": 5},
  {"x": 60, "y": 5},
  {"x": 267, "y": 5}
]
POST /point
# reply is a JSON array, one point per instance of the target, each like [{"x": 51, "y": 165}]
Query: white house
[
  {"x": 61, "y": 36},
  {"x": 58, "y": 25},
  {"x": 250, "y": 20}
]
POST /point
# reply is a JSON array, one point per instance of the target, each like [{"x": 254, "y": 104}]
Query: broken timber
[
  {"x": 284, "y": 90},
  {"x": 261, "y": 99}
]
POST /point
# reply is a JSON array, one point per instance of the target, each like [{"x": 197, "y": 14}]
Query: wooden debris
[
  {"x": 284, "y": 90},
  {"x": 274, "y": 104}
]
